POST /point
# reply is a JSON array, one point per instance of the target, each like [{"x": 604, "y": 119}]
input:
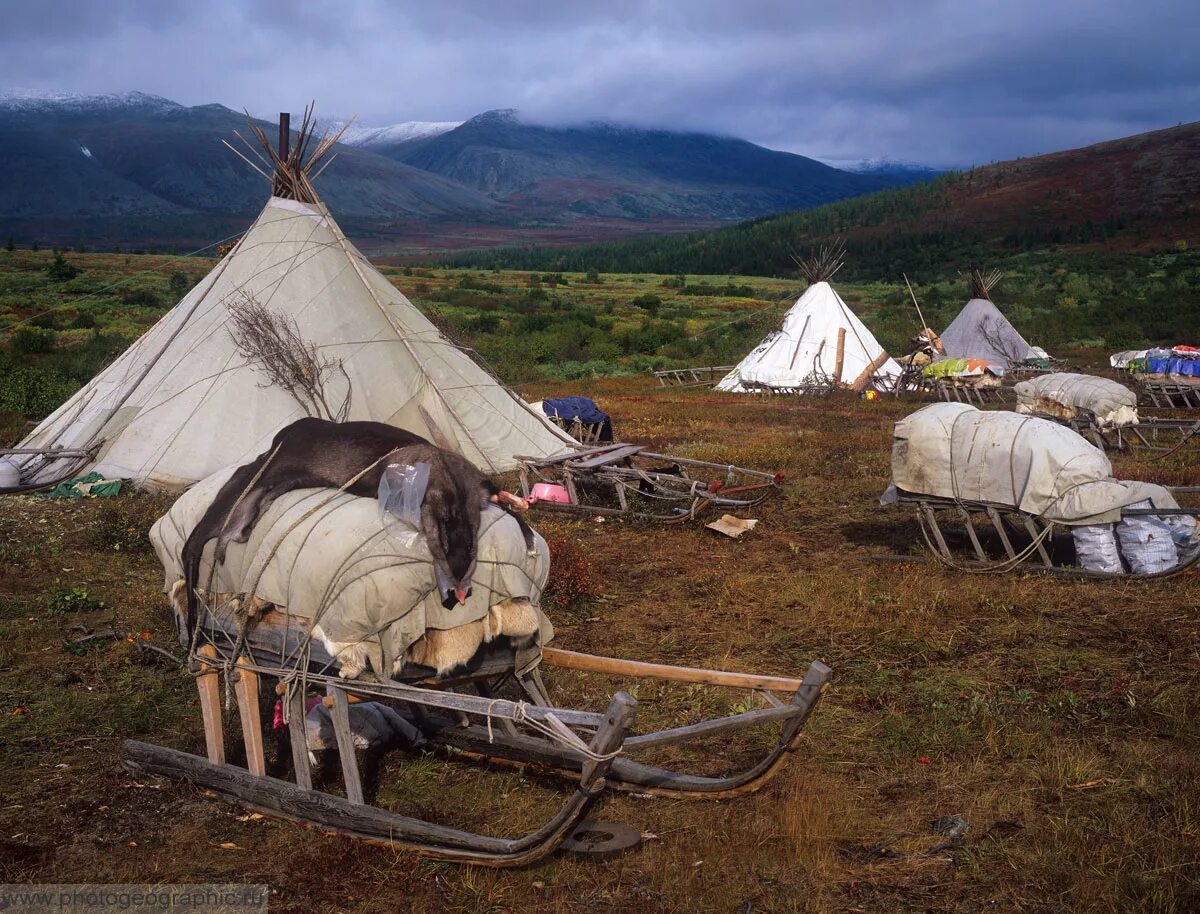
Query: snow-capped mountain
[
  {"x": 361, "y": 135},
  {"x": 36, "y": 102}
]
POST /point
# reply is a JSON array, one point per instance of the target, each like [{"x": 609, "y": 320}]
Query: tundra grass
[{"x": 1056, "y": 718}]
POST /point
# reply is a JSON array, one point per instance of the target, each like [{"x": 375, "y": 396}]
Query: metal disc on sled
[{"x": 596, "y": 838}]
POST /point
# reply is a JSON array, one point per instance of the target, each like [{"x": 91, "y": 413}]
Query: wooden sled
[
  {"x": 705, "y": 376},
  {"x": 1170, "y": 394},
  {"x": 953, "y": 391},
  {"x": 1025, "y": 541},
  {"x": 1155, "y": 435},
  {"x": 625, "y": 479},
  {"x": 589, "y": 748}
]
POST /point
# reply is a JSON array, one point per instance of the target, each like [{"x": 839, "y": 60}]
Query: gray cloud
[{"x": 923, "y": 80}]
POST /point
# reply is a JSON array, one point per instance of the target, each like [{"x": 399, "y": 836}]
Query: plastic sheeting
[
  {"x": 804, "y": 349},
  {"x": 953, "y": 450},
  {"x": 1112, "y": 403},
  {"x": 342, "y": 568}
]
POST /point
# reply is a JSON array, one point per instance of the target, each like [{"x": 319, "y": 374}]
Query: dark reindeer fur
[{"x": 317, "y": 453}]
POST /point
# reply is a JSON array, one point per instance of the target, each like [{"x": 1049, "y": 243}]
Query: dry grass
[{"x": 1057, "y": 718}]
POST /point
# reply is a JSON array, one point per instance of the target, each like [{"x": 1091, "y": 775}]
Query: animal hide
[
  {"x": 441, "y": 649},
  {"x": 444, "y": 649}
]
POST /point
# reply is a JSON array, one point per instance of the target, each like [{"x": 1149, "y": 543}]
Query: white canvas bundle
[
  {"x": 805, "y": 347},
  {"x": 953, "y": 450},
  {"x": 332, "y": 559},
  {"x": 182, "y": 401},
  {"x": 1112, "y": 403}
]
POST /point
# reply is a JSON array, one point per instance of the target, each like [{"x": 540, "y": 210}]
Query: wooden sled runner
[
  {"x": 589, "y": 748},
  {"x": 626, "y": 479},
  {"x": 1002, "y": 538}
]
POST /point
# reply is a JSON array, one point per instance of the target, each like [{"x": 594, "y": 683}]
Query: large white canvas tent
[
  {"x": 821, "y": 343},
  {"x": 980, "y": 331},
  {"x": 184, "y": 400}
]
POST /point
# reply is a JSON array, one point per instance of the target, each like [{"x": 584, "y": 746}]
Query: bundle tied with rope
[
  {"x": 351, "y": 583},
  {"x": 969, "y": 456}
]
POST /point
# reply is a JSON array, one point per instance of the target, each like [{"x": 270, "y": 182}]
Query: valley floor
[{"x": 1057, "y": 718}]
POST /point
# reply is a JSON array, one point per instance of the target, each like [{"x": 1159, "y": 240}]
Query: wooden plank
[
  {"x": 246, "y": 688},
  {"x": 572, "y": 455},
  {"x": 345, "y": 740},
  {"x": 590, "y": 663},
  {"x": 298, "y": 736},
  {"x": 209, "y": 685},
  {"x": 620, "y": 453},
  {"x": 730, "y": 724}
]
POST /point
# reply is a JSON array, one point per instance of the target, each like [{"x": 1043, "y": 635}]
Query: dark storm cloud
[{"x": 924, "y": 80}]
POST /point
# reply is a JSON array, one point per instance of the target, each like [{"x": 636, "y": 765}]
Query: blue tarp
[
  {"x": 586, "y": 411},
  {"x": 1186, "y": 367}
]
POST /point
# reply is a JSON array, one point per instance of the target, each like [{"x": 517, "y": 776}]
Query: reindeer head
[{"x": 450, "y": 516}]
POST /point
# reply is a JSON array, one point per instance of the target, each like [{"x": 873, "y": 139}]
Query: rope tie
[{"x": 561, "y": 734}]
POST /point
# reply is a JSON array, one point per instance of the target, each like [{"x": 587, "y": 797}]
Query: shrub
[
  {"x": 32, "y": 341},
  {"x": 179, "y": 283},
  {"x": 59, "y": 270},
  {"x": 648, "y": 302},
  {"x": 84, "y": 320},
  {"x": 142, "y": 298},
  {"x": 572, "y": 578},
  {"x": 62, "y": 599},
  {"x": 123, "y": 524}
]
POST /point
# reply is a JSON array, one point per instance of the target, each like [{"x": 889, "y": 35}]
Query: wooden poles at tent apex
[{"x": 290, "y": 169}]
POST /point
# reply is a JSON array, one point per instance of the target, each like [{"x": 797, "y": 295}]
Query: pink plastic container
[{"x": 548, "y": 491}]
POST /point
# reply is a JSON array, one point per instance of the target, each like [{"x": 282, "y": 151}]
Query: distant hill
[
  {"x": 1137, "y": 193},
  {"x": 137, "y": 169},
  {"x": 108, "y": 167},
  {"x": 603, "y": 170}
]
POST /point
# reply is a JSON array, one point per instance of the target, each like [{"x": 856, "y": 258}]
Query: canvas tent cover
[
  {"x": 953, "y": 450},
  {"x": 981, "y": 332},
  {"x": 182, "y": 402},
  {"x": 804, "y": 349},
  {"x": 358, "y": 573},
  {"x": 1110, "y": 402}
]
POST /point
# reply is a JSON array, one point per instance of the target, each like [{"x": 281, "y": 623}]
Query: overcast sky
[{"x": 950, "y": 83}]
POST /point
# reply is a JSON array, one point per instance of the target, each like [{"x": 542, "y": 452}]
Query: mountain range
[
  {"x": 1135, "y": 194},
  {"x": 138, "y": 169}
]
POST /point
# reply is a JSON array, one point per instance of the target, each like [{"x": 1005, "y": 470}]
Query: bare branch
[{"x": 272, "y": 343}]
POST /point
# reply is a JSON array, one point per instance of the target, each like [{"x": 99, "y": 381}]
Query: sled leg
[
  {"x": 1041, "y": 546},
  {"x": 994, "y": 517},
  {"x": 246, "y": 688},
  {"x": 966, "y": 518},
  {"x": 345, "y": 740},
  {"x": 208, "y": 683},
  {"x": 931, "y": 520},
  {"x": 298, "y": 737}
]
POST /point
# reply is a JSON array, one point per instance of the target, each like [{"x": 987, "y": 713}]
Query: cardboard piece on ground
[{"x": 732, "y": 526}]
